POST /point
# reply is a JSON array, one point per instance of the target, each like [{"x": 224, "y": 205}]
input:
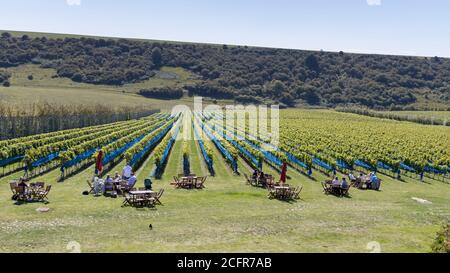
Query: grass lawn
[
  {"x": 45, "y": 88},
  {"x": 227, "y": 216}
]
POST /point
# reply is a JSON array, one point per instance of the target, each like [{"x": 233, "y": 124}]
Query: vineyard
[
  {"x": 342, "y": 143},
  {"x": 346, "y": 142},
  {"x": 339, "y": 143},
  {"x": 317, "y": 144}
]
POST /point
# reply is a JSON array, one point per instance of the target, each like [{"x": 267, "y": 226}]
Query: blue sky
[{"x": 406, "y": 27}]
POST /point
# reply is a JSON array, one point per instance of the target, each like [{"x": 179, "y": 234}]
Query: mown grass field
[
  {"x": 227, "y": 216},
  {"x": 45, "y": 88},
  {"x": 443, "y": 115}
]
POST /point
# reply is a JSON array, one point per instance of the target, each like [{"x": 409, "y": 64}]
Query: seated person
[
  {"x": 127, "y": 172},
  {"x": 336, "y": 182},
  {"x": 22, "y": 186},
  {"x": 352, "y": 177},
  {"x": 262, "y": 177},
  {"x": 109, "y": 186},
  {"x": 148, "y": 184},
  {"x": 377, "y": 188},
  {"x": 117, "y": 177},
  {"x": 109, "y": 179},
  {"x": 99, "y": 186},
  {"x": 132, "y": 181},
  {"x": 374, "y": 182},
  {"x": 344, "y": 184},
  {"x": 255, "y": 174}
]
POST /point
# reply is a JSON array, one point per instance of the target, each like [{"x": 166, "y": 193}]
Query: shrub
[
  {"x": 441, "y": 243},
  {"x": 162, "y": 93}
]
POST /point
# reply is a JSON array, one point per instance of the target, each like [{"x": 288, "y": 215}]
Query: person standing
[{"x": 127, "y": 172}]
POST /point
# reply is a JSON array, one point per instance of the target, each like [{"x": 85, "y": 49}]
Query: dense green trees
[
  {"x": 4, "y": 76},
  {"x": 156, "y": 56},
  {"x": 247, "y": 74},
  {"x": 162, "y": 93}
]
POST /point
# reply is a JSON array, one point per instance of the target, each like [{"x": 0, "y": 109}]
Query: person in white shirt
[
  {"x": 127, "y": 172},
  {"x": 352, "y": 177},
  {"x": 117, "y": 177},
  {"x": 99, "y": 186}
]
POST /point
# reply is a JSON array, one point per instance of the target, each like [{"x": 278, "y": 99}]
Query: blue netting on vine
[
  {"x": 364, "y": 165},
  {"x": 11, "y": 160},
  {"x": 343, "y": 165},
  {"x": 322, "y": 164},
  {"x": 162, "y": 163},
  {"x": 222, "y": 149},
  {"x": 150, "y": 145},
  {"x": 113, "y": 155},
  {"x": 407, "y": 168},
  {"x": 167, "y": 150},
  {"x": 430, "y": 169},
  {"x": 78, "y": 159},
  {"x": 257, "y": 163},
  {"x": 208, "y": 160},
  {"x": 44, "y": 160},
  {"x": 296, "y": 161},
  {"x": 267, "y": 155},
  {"x": 384, "y": 166}
]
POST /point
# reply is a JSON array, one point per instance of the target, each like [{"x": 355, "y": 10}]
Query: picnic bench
[
  {"x": 142, "y": 198},
  {"x": 268, "y": 181},
  {"x": 364, "y": 183},
  {"x": 189, "y": 182},
  {"x": 285, "y": 192},
  {"x": 335, "y": 190},
  {"x": 33, "y": 192},
  {"x": 118, "y": 187}
]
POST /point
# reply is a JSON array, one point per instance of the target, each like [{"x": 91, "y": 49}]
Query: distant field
[
  {"x": 430, "y": 114},
  {"x": 45, "y": 88}
]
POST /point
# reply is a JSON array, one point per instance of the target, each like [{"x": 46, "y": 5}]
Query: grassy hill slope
[{"x": 244, "y": 74}]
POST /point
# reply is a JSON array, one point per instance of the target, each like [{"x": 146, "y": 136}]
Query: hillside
[{"x": 245, "y": 74}]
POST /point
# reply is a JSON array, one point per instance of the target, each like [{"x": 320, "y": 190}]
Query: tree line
[
  {"x": 399, "y": 117},
  {"x": 246, "y": 74},
  {"x": 4, "y": 78},
  {"x": 38, "y": 118}
]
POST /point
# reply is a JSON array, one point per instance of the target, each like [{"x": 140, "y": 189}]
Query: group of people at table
[
  {"x": 370, "y": 181},
  {"x": 101, "y": 186},
  {"x": 343, "y": 184}
]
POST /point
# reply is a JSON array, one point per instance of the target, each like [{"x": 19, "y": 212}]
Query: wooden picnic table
[
  {"x": 189, "y": 182},
  {"x": 190, "y": 178},
  {"x": 141, "y": 192},
  {"x": 330, "y": 188},
  {"x": 284, "y": 192},
  {"x": 143, "y": 198},
  {"x": 264, "y": 182},
  {"x": 31, "y": 192}
]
